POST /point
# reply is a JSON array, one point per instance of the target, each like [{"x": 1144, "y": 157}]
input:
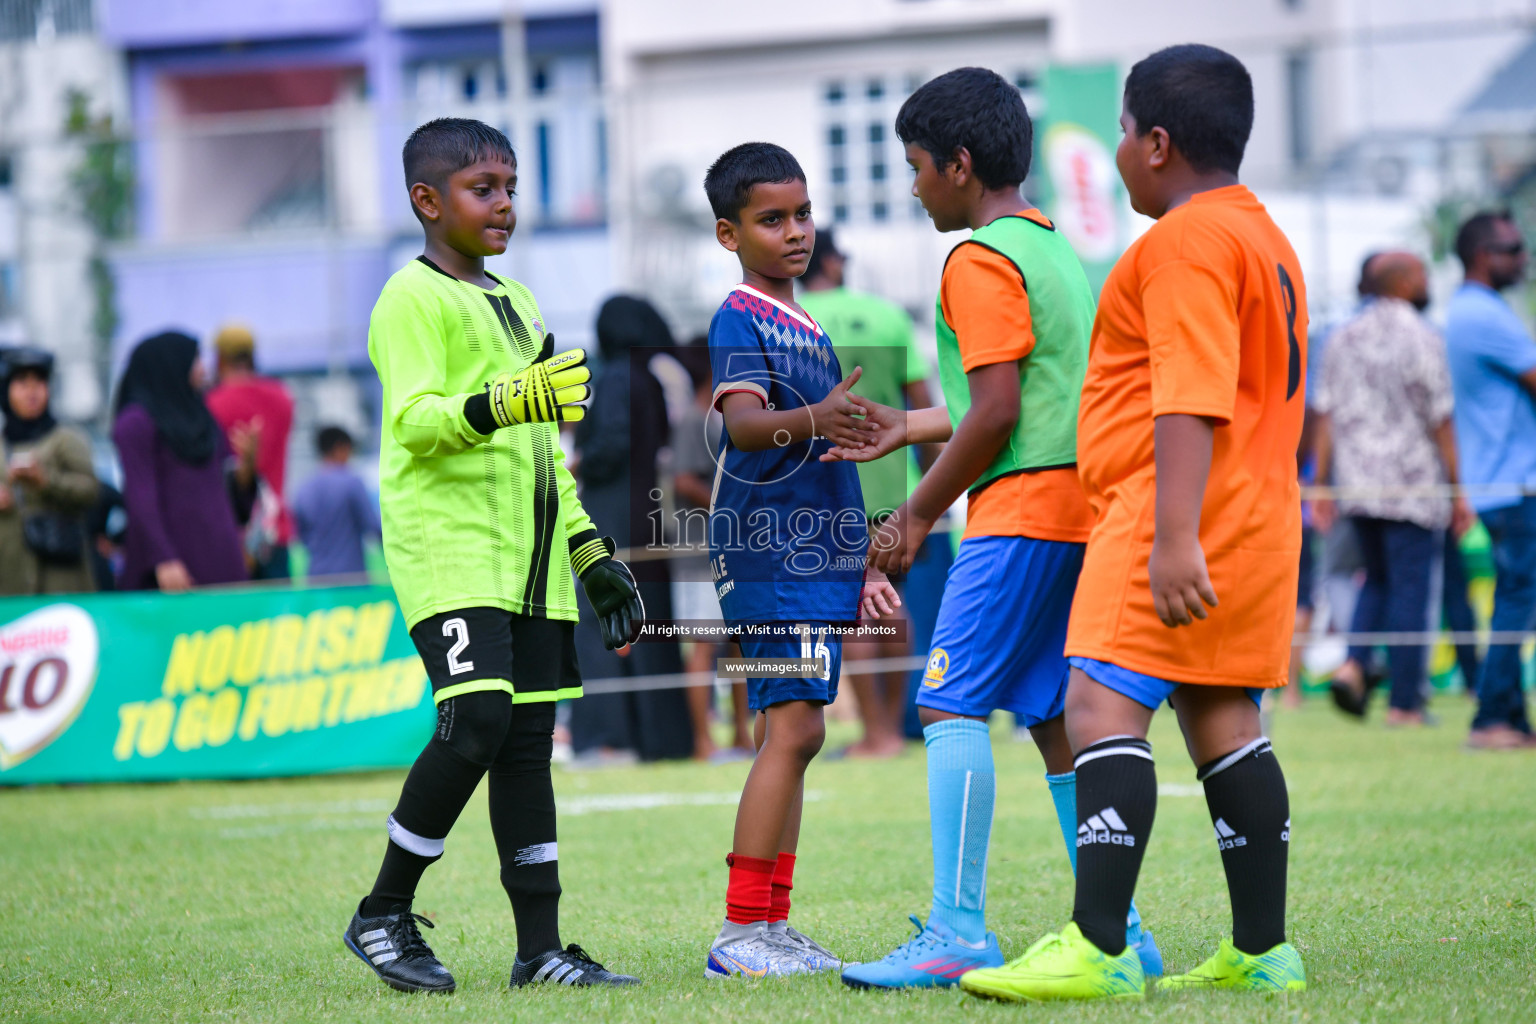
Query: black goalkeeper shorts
[{"x": 470, "y": 649}]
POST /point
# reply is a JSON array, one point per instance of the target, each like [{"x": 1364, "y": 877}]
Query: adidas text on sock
[
  {"x": 1251, "y": 818},
  {"x": 1116, "y": 803}
]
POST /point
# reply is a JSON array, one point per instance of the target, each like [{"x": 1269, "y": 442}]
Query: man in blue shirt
[
  {"x": 333, "y": 510},
  {"x": 1493, "y": 370}
]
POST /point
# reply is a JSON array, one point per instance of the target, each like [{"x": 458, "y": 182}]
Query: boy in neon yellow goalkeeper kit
[{"x": 482, "y": 530}]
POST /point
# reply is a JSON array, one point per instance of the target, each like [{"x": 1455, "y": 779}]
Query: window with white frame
[
  {"x": 562, "y": 150},
  {"x": 866, "y": 163},
  {"x": 864, "y": 158}
]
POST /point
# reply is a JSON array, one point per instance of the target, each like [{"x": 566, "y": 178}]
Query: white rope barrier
[
  {"x": 879, "y": 666},
  {"x": 1311, "y": 492}
]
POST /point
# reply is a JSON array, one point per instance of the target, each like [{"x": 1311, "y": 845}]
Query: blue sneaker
[
  {"x": 933, "y": 958},
  {"x": 1146, "y": 951}
]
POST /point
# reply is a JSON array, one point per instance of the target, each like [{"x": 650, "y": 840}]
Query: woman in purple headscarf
[{"x": 185, "y": 490}]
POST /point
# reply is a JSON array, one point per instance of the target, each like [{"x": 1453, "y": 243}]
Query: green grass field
[{"x": 1412, "y": 875}]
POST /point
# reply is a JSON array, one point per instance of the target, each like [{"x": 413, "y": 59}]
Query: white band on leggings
[
  {"x": 1258, "y": 746},
  {"x": 409, "y": 841}
]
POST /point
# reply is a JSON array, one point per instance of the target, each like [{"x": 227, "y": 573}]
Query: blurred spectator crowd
[
  {"x": 1418, "y": 437},
  {"x": 202, "y": 495},
  {"x": 1422, "y": 434}
]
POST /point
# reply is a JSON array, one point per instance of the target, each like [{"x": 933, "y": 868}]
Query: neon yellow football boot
[
  {"x": 1065, "y": 966},
  {"x": 1279, "y": 970}
]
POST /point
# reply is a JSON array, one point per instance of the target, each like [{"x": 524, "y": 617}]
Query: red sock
[
  {"x": 749, "y": 894},
  {"x": 783, "y": 881}
]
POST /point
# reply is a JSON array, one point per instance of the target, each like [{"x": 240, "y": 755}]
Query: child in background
[
  {"x": 693, "y": 595},
  {"x": 333, "y": 511}
]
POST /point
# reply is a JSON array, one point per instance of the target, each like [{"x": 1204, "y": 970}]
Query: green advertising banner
[
  {"x": 213, "y": 684},
  {"x": 1081, "y": 188}
]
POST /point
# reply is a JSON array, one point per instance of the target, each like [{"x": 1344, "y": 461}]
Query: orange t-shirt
[
  {"x": 1205, "y": 314},
  {"x": 984, "y": 303}
]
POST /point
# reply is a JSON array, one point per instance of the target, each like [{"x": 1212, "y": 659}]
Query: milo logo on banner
[
  {"x": 1083, "y": 172},
  {"x": 272, "y": 677},
  {"x": 47, "y": 669}
]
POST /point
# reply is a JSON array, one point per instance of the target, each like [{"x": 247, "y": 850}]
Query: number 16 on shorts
[{"x": 813, "y": 644}]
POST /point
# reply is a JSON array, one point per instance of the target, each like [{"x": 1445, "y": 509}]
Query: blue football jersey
[{"x": 787, "y": 531}]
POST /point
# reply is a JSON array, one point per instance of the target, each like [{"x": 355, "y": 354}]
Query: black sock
[
  {"x": 1116, "y": 802},
  {"x": 395, "y": 887},
  {"x": 1251, "y": 812},
  {"x": 470, "y": 730},
  {"x": 522, "y": 799}
]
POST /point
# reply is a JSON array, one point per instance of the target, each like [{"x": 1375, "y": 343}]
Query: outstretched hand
[
  {"x": 837, "y": 417},
  {"x": 885, "y": 432}
]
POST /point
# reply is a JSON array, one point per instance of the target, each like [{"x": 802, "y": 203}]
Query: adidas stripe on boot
[
  {"x": 393, "y": 948},
  {"x": 568, "y": 966}
]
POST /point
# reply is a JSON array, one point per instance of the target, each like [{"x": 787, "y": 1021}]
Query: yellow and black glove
[
  {"x": 546, "y": 392},
  {"x": 611, "y": 588}
]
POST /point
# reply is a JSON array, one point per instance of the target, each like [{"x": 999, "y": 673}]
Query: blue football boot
[{"x": 933, "y": 958}]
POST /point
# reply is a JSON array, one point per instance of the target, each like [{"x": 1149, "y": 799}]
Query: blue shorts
[
  {"x": 1148, "y": 691},
  {"x": 791, "y": 640},
  {"x": 999, "y": 642}
]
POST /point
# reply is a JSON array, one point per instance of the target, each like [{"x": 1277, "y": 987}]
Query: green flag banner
[
  {"x": 213, "y": 684},
  {"x": 1082, "y": 189}
]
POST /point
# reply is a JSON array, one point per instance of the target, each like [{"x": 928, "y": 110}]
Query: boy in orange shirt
[{"x": 1187, "y": 433}]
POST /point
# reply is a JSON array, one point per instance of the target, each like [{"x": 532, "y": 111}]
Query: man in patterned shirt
[{"x": 1385, "y": 438}]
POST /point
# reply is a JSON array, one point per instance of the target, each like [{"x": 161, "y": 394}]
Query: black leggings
[{"x": 478, "y": 733}]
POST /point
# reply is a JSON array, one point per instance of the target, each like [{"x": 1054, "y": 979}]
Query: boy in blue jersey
[
  {"x": 787, "y": 537},
  {"x": 1013, "y": 320}
]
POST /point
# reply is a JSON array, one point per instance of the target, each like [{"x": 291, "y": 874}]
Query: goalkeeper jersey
[{"x": 469, "y": 519}]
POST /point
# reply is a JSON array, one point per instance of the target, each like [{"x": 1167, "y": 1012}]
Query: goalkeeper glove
[
  {"x": 546, "y": 392},
  {"x": 611, "y": 588}
]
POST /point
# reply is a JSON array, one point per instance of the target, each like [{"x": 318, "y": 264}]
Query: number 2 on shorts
[{"x": 458, "y": 628}]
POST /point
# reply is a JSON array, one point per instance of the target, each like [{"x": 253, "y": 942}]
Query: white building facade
[{"x": 1345, "y": 92}]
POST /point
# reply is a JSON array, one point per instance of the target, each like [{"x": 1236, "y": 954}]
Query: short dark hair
[
  {"x": 439, "y": 148},
  {"x": 331, "y": 438},
  {"x": 826, "y": 245},
  {"x": 1477, "y": 232},
  {"x": 731, "y": 178},
  {"x": 975, "y": 108},
  {"x": 1201, "y": 96}
]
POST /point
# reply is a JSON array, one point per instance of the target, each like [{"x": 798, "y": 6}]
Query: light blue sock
[
  {"x": 1064, "y": 796},
  {"x": 962, "y": 787}
]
